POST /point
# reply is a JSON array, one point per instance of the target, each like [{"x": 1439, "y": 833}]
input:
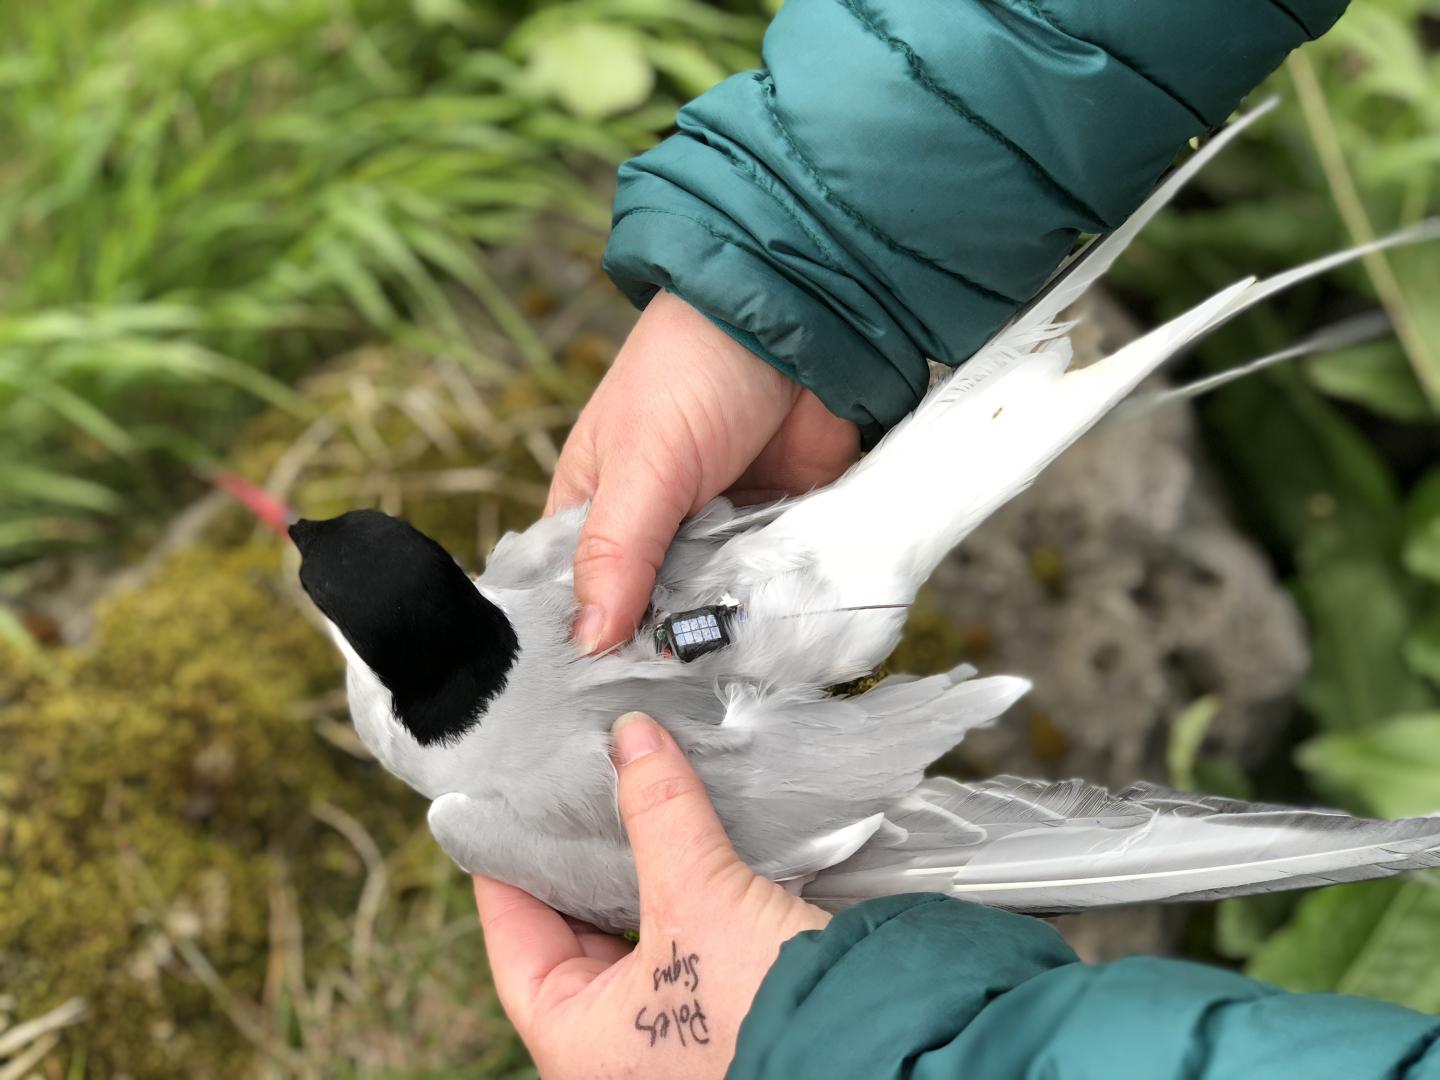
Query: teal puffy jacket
[
  {"x": 903, "y": 174},
  {"x": 925, "y": 988},
  {"x": 899, "y": 178}
]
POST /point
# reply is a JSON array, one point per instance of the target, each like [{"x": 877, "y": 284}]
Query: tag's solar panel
[{"x": 689, "y": 634}]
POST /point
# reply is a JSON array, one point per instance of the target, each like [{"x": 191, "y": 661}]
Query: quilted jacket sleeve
[
  {"x": 926, "y": 988},
  {"x": 901, "y": 175}
]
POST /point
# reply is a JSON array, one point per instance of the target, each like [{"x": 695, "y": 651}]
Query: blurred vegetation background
[{"x": 350, "y": 249}]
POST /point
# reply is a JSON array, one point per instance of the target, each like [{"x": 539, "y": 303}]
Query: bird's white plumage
[{"x": 827, "y": 792}]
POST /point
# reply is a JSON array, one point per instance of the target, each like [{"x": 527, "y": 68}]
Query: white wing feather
[{"x": 1027, "y": 845}]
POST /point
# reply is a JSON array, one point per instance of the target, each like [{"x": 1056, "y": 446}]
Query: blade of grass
[
  {"x": 1343, "y": 190},
  {"x": 33, "y": 483}
]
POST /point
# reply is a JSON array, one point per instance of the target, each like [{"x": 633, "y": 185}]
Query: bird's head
[{"x": 412, "y": 615}]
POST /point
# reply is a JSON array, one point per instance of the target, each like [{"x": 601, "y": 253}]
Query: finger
[
  {"x": 574, "y": 479},
  {"x": 597, "y": 944},
  {"x": 675, "y": 834},
  {"x": 631, "y": 521},
  {"x": 811, "y": 449},
  {"x": 526, "y": 941}
]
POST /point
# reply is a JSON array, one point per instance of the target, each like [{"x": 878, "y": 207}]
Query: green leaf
[
  {"x": 592, "y": 69},
  {"x": 1393, "y": 770},
  {"x": 1187, "y": 733},
  {"x": 1361, "y": 609},
  {"x": 13, "y": 631},
  {"x": 1422, "y": 647},
  {"x": 1305, "y": 474},
  {"x": 1395, "y": 58},
  {"x": 442, "y": 12},
  {"x": 1216, "y": 776},
  {"x": 1245, "y": 923},
  {"x": 1376, "y": 375},
  {"x": 32, "y": 534},
  {"x": 73, "y": 408},
  {"x": 1417, "y": 276},
  {"x": 686, "y": 64},
  {"x": 1401, "y": 160},
  {"x": 1422, "y": 528},
  {"x": 1374, "y": 938},
  {"x": 32, "y": 483}
]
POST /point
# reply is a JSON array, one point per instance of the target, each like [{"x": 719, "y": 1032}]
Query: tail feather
[
  {"x": 1341, "y": 335},
  {"x": 1001, "y": 422},
  {"x": 1001, "y": 418},
  {"x": 998, "y": 421},
  {"x": 1074, "y": 279},
  {"x": 1040, "y": 847}
]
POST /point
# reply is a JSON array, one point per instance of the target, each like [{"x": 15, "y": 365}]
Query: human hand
[
  {"x": 684, "y": 414},
  {"x": 591, "y": 1005}
]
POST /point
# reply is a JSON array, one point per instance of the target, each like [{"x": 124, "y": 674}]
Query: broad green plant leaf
[
  {"x": 1422, "y": 528},
  {"x": 1187, "y": 734},
  {"x": 1244, "y": 924},
  {"x": 592, "y": 69},
  {"x": 1392, "y": 770},
  {"x": 1304, "y": 473},
  {"x": 689, "y": 67},
  {"x": 1375, "y": 375},
  {"x": 1395, "y": 64},
  {"x": 1422, "y": 647},
  {"x": 1361, "y": 609},
  {"x": 1373, "y": 938}
]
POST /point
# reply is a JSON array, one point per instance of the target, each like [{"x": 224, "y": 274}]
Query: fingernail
[
  {"x": 588, "y": 628},
  {"x": 635, "y": 735}
]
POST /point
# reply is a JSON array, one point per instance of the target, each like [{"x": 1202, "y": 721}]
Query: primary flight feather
[{"x": 474, "y": 694}]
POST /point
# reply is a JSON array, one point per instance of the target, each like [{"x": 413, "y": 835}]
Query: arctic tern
[{"x": 474, "y": 694}]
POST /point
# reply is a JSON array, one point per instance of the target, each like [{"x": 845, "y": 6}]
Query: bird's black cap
[{"x": 411, "y": 613}]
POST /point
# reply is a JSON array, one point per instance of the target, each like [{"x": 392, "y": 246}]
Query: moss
[
  {"x": 158, "y": 783},
  {"x": 1047, "y": 742},
  {"x": 935, "y": 642},
  {"x": 1047, "y": 567},
  {"x": 146, "y": 781}
]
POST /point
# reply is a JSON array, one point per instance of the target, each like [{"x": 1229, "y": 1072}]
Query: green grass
[{"x": 198, "y": 202}]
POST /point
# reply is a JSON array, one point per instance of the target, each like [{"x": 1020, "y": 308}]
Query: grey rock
[{"x": 1121, "y": 587}]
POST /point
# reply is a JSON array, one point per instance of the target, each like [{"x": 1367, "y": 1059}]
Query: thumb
[
  {"x": 678, "y": 841},
  {"x": 632, "y": 519}
]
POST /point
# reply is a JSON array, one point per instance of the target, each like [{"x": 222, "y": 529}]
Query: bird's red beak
[{"x": 270, "y": 510}]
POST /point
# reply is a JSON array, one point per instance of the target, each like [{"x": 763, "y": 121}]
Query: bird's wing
[
  {"x": 801, "y": 781},
  {"x": 1031, "y": 845},
  {"x": 585, "y": 875}
]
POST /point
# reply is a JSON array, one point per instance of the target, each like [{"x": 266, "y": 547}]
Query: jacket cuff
[
  {"x": 763, "y": 274},
  {"x": 922, "y": 987},
  {"x": 884, "y": 981}
]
